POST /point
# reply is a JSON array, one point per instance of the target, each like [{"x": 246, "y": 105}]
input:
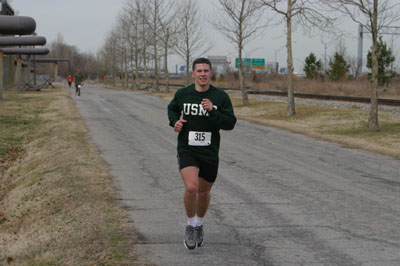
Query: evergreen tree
[
  {"x": 338, "y": 68},
  {"x": 312, "y": 66},
  {"x": 385, "y": 58}
]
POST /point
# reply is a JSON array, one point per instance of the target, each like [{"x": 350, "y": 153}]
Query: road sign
[
  {"x": 258, "y": 63},
  {"x": 254, "y": 63},
  {"x": 246, "y": 62},
  {"x": 217, "y": 60}
]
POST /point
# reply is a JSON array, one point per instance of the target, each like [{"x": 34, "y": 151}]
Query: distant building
[
  {"x": 219, "y": 63},
  {"x": 271, "y": 67}
]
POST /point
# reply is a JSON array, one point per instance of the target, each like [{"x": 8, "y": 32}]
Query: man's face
[{"x": 202, "y": 74}]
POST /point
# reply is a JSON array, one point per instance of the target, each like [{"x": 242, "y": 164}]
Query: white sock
[
  {"x": 199, "y": 221},
  {"x": 192, "y": 221}
]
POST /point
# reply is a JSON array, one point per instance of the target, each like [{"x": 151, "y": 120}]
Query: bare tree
[
  {"x": 59, "y": 49},
  {"x": 374, "y": 16},
  {"x": 132, "y": 18},
  {"x": 109, "y": 52},
  {"x": 341, "y": 47},
  {"x": 239, "y": 21},
  {"x": 144, "y": 40},
  {"x": 125, "y": 22},
  {"x": 191, "y": 38},
  {"x": 156, "y": 10},
  {"x": 169, "y": 26},
  {"x": 302, "y": 12},
  {"x": 121, "y": 32}
]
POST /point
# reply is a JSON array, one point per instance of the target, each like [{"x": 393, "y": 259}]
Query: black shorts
[{"x": 208, "y": 169}]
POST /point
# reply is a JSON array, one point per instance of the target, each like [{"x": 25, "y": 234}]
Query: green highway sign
[
  {"x": 246, "y": 62},
  {"x": 258, "y": 62},
  {"x": 254, "y": 63}
]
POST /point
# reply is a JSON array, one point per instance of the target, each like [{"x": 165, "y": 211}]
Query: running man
[
  {"x": 78, "y": 78},
  {"x": 197, "y": 113}
]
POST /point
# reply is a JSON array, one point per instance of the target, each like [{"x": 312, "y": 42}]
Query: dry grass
[
  {"x": 359, "y": 88},
  {"x": 345, "y": 126},
  {"x": 57, "y": 203},
  {"x": 348, "y": 127}
]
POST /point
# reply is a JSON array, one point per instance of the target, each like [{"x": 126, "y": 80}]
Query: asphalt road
[{"x": 280, "y": 198}]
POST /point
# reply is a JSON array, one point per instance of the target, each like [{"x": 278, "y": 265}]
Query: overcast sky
[{"x": 86, "y": 23}]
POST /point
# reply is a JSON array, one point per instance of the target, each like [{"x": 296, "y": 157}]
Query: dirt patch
[{"x": 57, "y": 203}]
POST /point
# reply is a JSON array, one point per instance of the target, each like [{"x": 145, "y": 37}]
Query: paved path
[{"x": 280, "y": 198}]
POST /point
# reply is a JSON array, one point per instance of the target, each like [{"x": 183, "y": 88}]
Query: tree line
[
  {"x": 148, "y": 32},
  {"x": 341, "y": 69}
]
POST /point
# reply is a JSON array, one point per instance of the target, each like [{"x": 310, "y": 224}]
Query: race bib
[{"x": 199, "y": 138}]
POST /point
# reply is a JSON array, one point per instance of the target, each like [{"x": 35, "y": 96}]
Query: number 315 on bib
[{"x": 199, "y": 138}]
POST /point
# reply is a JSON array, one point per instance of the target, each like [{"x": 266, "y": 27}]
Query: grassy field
[
  {"x": 57, "y": 202},
  {"x": 348, "y": 127}
]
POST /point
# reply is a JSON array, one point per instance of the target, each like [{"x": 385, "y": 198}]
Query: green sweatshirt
[
  {"x": 78, "y": 78},
  {"x": 200, "y": 134}
]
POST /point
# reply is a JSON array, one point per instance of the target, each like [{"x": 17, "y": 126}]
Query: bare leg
[
  {"x": 190, "y": 176},
  {"x": 203, "y": 198}
]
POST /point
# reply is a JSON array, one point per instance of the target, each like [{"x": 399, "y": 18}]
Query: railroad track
[{"x": 381, "y": 101}]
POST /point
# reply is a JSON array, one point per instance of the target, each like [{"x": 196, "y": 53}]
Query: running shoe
[
  {"x": 198, "y": 233},
  {"x": 189, "y": 242}
]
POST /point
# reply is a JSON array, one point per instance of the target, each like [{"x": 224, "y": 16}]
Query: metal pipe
[
  {"x": 28, "y": 51},
  {"x": 17, "y": 25},
  {"x": 34, "y": 70},
  {"x": 51, "y": 60},
  {"x": 1, "y": 75},
  {"x": 22, "y": 41}
]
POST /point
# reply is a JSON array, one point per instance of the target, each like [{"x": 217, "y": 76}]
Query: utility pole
[
  {"x": 360, "y": 49},
  {"x": 325, "y": 47},
  {"x": 386, "y": 30}
]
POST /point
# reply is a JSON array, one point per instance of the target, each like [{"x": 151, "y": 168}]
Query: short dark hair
[{"x": 201, "y": 60}]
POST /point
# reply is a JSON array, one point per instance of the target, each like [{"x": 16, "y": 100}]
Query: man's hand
[
  {"x": 179, "y": 125},
  {"x": 207, "y": 104}
]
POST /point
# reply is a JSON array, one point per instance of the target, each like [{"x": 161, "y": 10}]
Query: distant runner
[
  {"x": 197, "y": 113},
  {"x": 69, "y": 79},
  {"x": 78, "y": 78}
]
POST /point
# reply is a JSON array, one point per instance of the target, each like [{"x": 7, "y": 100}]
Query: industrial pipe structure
[
  {"x": 22, "y": 41},
  {"x": 51, "y": 60},
  {"x": 55, "y": 61},
  {"x": 17, "y": 25},
  {"x": 25, "y": 51},
  {"x": 19, "y": 51},
  {"x": 6, "y": 9}
]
